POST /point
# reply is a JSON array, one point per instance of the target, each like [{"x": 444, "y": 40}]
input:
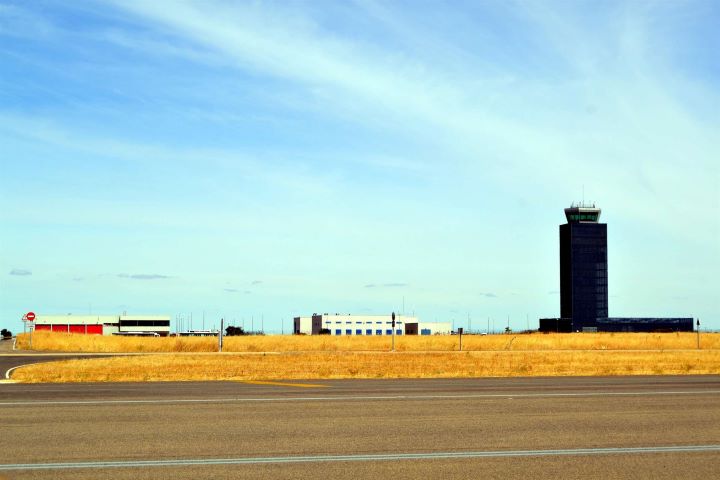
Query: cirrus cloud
[
  {"x": 144, "y": 276},
  {"x": 20, "y": 272}
]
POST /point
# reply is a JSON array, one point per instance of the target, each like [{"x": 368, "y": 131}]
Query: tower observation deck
[{"x": 582, "y": 213}]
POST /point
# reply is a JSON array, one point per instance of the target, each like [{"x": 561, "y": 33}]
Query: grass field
[
  {"x": 46, "y": 341},
  {"x": 325, "y": 357},
  {"x": 331, "y": 365}
]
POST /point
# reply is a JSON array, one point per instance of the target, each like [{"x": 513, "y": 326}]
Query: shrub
[{"x": 231, "y": 331}]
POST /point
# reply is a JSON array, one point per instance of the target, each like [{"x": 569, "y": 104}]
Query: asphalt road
[
  {"x": 10, "y": 358},
  {"x": 618, "y": 427}
]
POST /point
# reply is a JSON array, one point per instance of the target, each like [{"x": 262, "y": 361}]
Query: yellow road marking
[{"x": 283, "y": 384}]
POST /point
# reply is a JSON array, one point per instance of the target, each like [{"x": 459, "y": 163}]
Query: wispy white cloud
[
  {"x": 360, "y": 77},
  {"x": 20, "y": 272},
  {"x": 387, "y": 285},
  {"x": 144, "y": 276},
  {"x": 526, "y": 125},
  {"x": 21, "y": 22}
]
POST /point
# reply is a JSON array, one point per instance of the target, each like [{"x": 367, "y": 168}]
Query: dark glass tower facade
[{"x": 583, "y": 268}]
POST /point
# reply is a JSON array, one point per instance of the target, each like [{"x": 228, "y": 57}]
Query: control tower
[
  {"x": 584, "y": 282},
  {"x": 583, "y": 268}
]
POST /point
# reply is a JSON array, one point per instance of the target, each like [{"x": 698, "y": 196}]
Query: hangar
[{"x": 104, "y": 324}]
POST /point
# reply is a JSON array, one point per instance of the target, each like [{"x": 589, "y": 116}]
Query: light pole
[
  {"x": 220, "y": 335},
  {"x": 393, "y": 324}
]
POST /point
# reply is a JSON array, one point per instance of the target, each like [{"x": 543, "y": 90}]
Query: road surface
[
  {"x": 10, "y": 358},
  {"x": 617, "y": 427}
]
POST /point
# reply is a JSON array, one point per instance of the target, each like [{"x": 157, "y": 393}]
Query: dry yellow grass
[
  {"x": 333, "y": 365},
  {"x": 287, "y": 343}
]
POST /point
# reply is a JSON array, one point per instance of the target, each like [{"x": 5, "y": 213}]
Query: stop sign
[{"x": 30, "y": 316}]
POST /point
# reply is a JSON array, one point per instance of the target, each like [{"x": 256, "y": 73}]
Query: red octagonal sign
[{"x": 30, "y": 316}]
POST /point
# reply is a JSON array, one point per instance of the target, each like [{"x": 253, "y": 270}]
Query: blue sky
[{"x": 273, "y": 159}]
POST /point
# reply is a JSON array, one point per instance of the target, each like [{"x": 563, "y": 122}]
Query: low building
[
  {"x": 621, "y": 324},
  {"x": 85, "y": 324},
  {"x": 428, "y": 328},
  {"x": 368, "y": 325},
  {"x": 645, "y": 324},
  {"x": 104, "y": 324},
  {"x": 199, "y": 333},
  {"x": 307, "y": 325}
]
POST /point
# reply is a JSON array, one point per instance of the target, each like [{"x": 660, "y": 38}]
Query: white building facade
[{"x": 368, "y": 325}]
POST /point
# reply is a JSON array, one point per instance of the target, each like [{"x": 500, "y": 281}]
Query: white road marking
[
  {"x": 361, "y": 458},
  {"x": 340, "y": 398},
  {"x": 7, "y": 373}
]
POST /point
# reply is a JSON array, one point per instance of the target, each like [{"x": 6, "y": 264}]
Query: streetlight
[
  {"x": 220, "y": 335},
  {"x": 393, "y": 324}
]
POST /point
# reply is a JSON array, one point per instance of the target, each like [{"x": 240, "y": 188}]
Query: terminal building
[
  {"x": 584, "y": 281},
  {"x": 153, "y": 325},
  {"x": 346, "y": 324}
]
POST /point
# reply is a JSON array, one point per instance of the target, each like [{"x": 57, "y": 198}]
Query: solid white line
[
  {"x": 340, "y": 398},
  {"x": 7, "y": 373},
  {"x": 362, "y": 458}
]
